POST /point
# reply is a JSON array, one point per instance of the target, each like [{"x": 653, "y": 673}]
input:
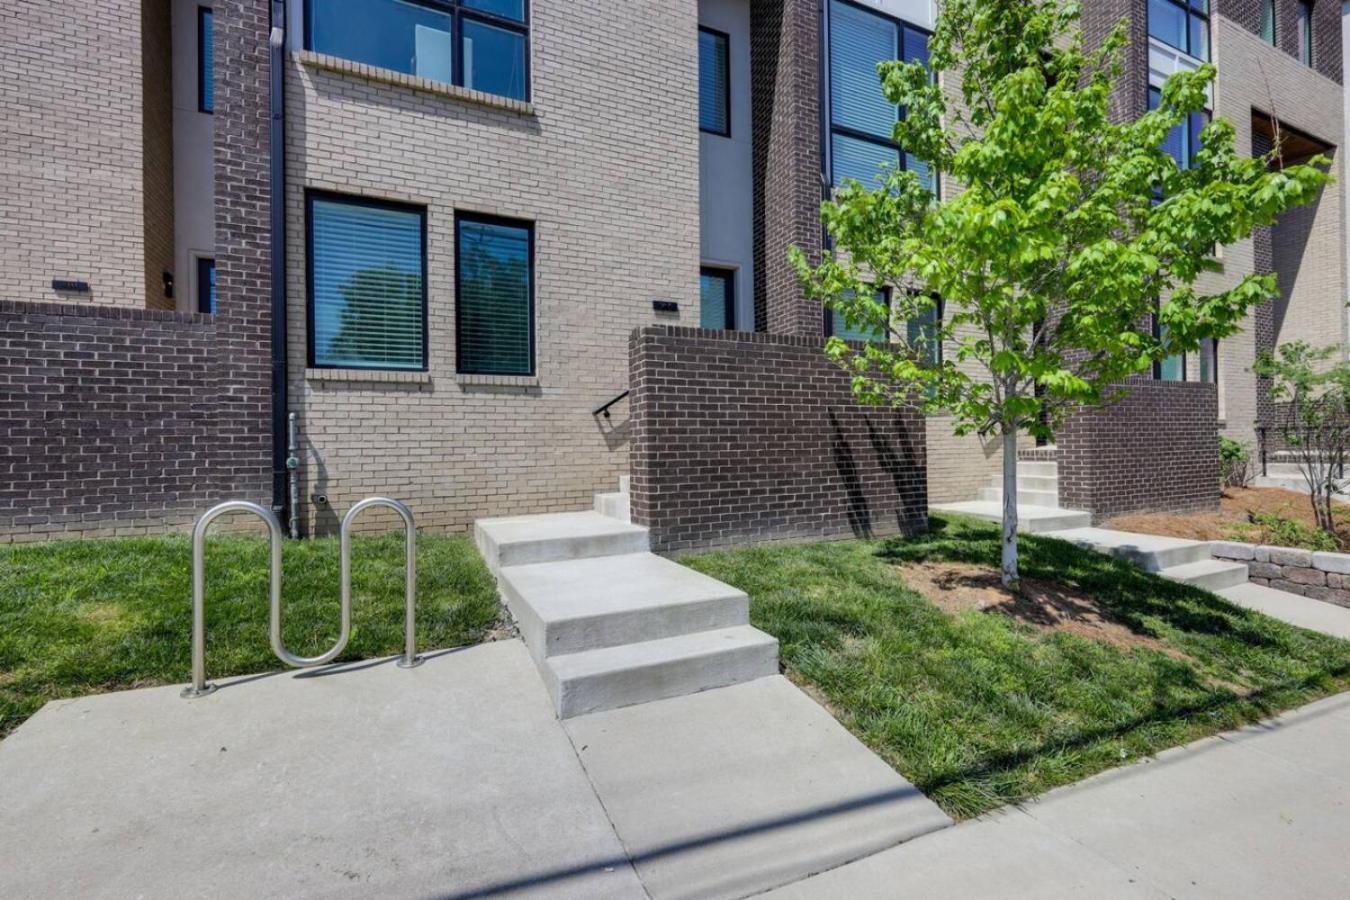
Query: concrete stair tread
[
  {"x": 612, "y": 677},
  {"x": 547, "y": 526},
  {"x": 1187, "y": 571},
  {"x": 1150, "y": 552},
  {"x": 518, "y": 540},
  {"x": 1031, "y": 518}
]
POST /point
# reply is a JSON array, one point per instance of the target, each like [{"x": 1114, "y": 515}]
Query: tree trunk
[{"x": 1011, "y": 580}]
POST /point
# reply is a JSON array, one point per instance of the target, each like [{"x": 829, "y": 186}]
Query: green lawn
[
  {"x": 78, "y": 617},
  {"x": 978, "y": 710}
]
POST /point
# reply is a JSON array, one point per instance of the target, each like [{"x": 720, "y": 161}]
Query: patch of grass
[
  {"x": 80, "y": 617},
  {"x": 978, "y": 710}
]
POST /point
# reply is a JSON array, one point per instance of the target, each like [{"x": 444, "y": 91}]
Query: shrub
[
  {"x": 1235, "y": 463},
  {"x": 1275, "y": 529}
]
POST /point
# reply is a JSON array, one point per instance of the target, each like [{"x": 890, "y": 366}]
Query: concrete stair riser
[
  {"x": 1212, "y": 575},
  {"x": 1035, "y": 483},
  {"x": 1033, "y": 498},
  {"x": 609, "y": 678},
  {"x": 1039, "y": 469},
  {"x": 570, "y": 607},
  {"x": 615, "y": 505}
]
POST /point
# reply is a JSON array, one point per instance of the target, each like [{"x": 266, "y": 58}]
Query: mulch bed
[{"x": 1235, "y": 509}]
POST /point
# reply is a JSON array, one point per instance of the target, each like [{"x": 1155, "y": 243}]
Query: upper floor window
[
  {"x": 206, "y": 55},
  {"x": 714, "y": 82},
  {"x": 1268, "y": 21},
  {"x": 1183, "y": 24},
  {"x": 862, "y": 121},
  {"x": 366, "y": 263},
  {"x": 1305, "y": 32},
  {"x": 479, "y": 44},
  {"x": 1183, "y": 141},
  {"x": 838, "y": 326}
]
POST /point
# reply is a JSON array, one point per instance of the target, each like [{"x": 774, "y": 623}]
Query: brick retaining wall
[
  {"x": 110, "y": 421},
  {"x": 1157, "y": 450},
  {"x": 755, "y": 437}
]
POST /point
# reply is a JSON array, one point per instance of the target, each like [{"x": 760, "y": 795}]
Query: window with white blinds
[
  {"x": 367, "y": 284},
  {"x": 861, "y": 119},
  {"x": 714, "y": 82},
  {"x": 494, "y": 296}
]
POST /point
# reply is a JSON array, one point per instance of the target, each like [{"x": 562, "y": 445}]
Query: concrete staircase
[
  {"x": 610, "y": 624},
  {"x": 1188, "y": 562},
  {"x": 1038, "y": 508}
]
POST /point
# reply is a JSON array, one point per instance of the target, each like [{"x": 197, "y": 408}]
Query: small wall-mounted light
[
  {"x": 665, "y": 306},
  {"x": 168, "y": 285},
  {"x": 66, "y": 285}
]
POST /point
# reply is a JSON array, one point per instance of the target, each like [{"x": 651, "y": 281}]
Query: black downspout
[{"x": 277, "y": 204}]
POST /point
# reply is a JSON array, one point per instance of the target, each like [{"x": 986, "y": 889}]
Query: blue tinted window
[
  {"x": 480, "y": 44},
  {"x": 714, "y": 82},
  {"x": 206, "y": 285},
  {"x": 1182, "y": 25},
  {"x": 922, "y": 334},
  {"x": 862, "y": 122},
  {"x": 206, "y": 60},
  {"x": 857, "y": 331},
  {"x": 716, "y": 299},
  {"x": 367, "y": 278},
  {"x": 494, "y": 311}
]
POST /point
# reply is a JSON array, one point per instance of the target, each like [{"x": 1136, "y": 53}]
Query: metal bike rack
[{"x": 200, "y": 687}]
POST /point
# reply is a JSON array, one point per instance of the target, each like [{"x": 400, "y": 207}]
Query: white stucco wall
[
  {"x": 193, "y": 179},
  {"x": 726, "y": 199}
]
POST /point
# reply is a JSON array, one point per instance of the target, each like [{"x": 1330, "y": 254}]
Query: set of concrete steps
[
  {"x": 1038, "y": 507},
  {"x": 610, "y": 624},
  {"x": 1188, "y": 562}
]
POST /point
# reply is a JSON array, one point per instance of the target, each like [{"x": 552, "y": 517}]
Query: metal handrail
[
  {"x": 410, "y": 657},
  {"x": 200, "y": 687},
  {"x": 604, "y": 410}
]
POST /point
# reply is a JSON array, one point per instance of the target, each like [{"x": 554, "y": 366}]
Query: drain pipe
[
  {"x": 293, "y": 474},
  {"x": 277, "y": 202}
]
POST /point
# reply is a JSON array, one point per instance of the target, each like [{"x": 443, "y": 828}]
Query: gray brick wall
[{"x": 742, "y": 438}]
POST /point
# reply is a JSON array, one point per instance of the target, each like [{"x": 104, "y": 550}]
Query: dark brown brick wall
[
  {"x": 1156, "y": 450},
  {"x": 108, "y": 418},
  {"x": 785, "y": 109},
  {"x": 753, "y": 437}
]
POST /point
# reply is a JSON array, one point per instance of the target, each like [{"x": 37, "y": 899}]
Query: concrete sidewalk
[
  {"x": 1262, "y": 812},
  {"x": 454, "y": 779}
]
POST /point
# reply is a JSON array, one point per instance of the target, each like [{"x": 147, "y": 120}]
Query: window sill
[
  {"x": 514, "y": 381},
  {"x": 377, "y": 375},
  {"x": 323, "y": 61}
]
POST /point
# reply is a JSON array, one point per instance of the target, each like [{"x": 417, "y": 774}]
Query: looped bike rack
[{"x": 200, "y": 687}]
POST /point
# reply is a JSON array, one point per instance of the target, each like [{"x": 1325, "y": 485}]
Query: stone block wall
[
  {"x": 742, "y": 438},
  {"x": 1156, "y": 450},
  {"x": 1321, "y": 576}
]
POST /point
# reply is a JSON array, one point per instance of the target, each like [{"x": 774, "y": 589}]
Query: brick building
[{"x": 428, "y": 230}]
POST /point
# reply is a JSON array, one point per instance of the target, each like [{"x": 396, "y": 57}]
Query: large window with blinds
[
  {"x": 861, "y": 119},
  {"x": 366, "y": 268},
  {"x": 494, "y": 296},
  {"x": 714, "y": 82},
  {"x": 480, "y": 44}
]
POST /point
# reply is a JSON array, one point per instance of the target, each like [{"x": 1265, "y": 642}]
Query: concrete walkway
[
  {"x": 1262, "y": 812},
  {"x": 454, "y": 779}
]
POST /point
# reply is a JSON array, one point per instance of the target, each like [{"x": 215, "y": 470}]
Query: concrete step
[
  {"x": 629, "y": 674},
  {"x": 1149, "y": 552},
  {"x": 587, "y": 604},
  {"x": 615, "y": 505},
  {"x": 625, "y": 483},
  {"x": 1031, "y": 518},
  {"x": 1035, "y": 498},
  {"x": 520, "y": 540},
  {"x": 1039, "y": 468},
  {"x": 1211, "y": 574},
  {"x": 1032, "y": 483}
]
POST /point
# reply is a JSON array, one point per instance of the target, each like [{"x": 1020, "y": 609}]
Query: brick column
[
  {"x": 243, "y": 258},
  {"x": 785, "y": 58}
]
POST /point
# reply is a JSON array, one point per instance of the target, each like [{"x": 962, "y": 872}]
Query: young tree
[
  {"x": 1316, "y": 427},
  {"x": 1070, "y": 231}
]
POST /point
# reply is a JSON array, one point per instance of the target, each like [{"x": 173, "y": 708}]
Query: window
[
  {"x": 1268, "y": 21},
  {"x": 206, "y": 60},
  {"x": 494, "y": 296},
  {"x": 1183, "y": 141},
  {"x": 837, "y": 326},
  {"x": 479, "y": 44},
  {"x": 714, "y": 82},
  {"x": 1305, "y": 42},
  {"x": 206, "y": 285},
  {"x": 923, "y": 334},
  {"x": 861, "y": 120},
  {"x": 717, "y": 299},
  {"x": 1173, "y": 368},
  {"x": 1183, "y": 24},
  {"x": 1209, "y": 361},
  {"x": 366, "y": 267}
]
